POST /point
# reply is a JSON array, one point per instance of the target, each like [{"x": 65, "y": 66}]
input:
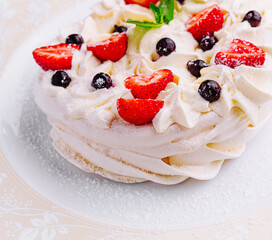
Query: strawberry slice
[
  {"x": 206, "y": 22},
  {"x": 112, "y": 49},
  {"x": 56, "y": 57},
  {"x": 144, "y": 3},
  {"x": 241, "y": 52},
  {"x": 149, "y": 86},
  {"x": 138, "y": 111}
]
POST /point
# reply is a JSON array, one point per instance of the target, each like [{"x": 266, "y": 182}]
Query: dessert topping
[
  {"x": 164, "y": 14},
  {"x": 148, "y": 86},
  {"x": 254, "y": 18},
  {"x": 61, "y": 79},
  {"x": 119, "y": 29},
  {"x": 210, "y": 90},
  {"x": 102, "y": 80},
  {"x": 207, "y": 43},
  {"x": 144, "y": 3},
  {"x": 195, "y": 66},
  {"x": 75, "y": 39},
  {"x": 241, "y": 52},
  {"x": 181, "y": 1},
  {"x": 165, "y": 47},
  {"x": 112, "y": 49},
  {"x": 56, "y": 57},
  {"x": 206, "y": 22},
  {"x": 138, "y": 111}
]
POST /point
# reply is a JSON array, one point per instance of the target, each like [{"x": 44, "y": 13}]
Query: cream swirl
[{"x": 189, "y": 137}]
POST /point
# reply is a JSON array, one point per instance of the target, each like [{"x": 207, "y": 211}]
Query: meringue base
[
  {"x": 83, "y": 163},
  {"x": 77, "y": 147}
]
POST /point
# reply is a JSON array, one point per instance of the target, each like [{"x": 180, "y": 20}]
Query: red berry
[
  {"x": 144, "y": 3},
  {"x": 148, "y": 86},
  {"x": 138, "y": 111},
  {"x": 57, "y": 57},
  {"x": 241, "y": 52},
  {"x": 112, "y": 49},
  {"x": 206, "y": 22}
]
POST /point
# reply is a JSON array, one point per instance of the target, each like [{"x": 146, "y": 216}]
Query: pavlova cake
[{"x": 162, "y": 91}]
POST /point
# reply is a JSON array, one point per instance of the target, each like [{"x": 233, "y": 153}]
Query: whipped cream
[{"x": 189, "y": 137}]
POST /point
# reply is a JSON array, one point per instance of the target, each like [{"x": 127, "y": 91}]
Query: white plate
[{"x": 243, "y": 186}]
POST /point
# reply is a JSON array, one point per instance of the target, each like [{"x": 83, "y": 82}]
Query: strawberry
[
  {"x": 241, "y": 52},
  {"x": 138, "y": 111},
  {"x": 149, "y": 86},
  {"x": 144, "y": 3},
  {"x": 57, "y": 57},
  {"x": 112, "y": 49},
  {"x": 206, "y": 22}
]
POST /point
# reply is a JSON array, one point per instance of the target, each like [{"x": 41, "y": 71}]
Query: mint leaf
[
  {"x": 163, "y": 14},
  {"x": 145, "y": 24},
  {"x": 167, "y": 7},
  {"x": 157, "y": 13}
]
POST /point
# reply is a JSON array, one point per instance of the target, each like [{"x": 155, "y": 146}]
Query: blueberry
[
  {"x": 208, "y": 42},
  {"x": 75, "y": 39},
  {"x": 102, "y": 80},
  {"x": 210, "y": 90},
  {"x": 195, "y": 66},
  {"x": 165, "y": 47},
  {"x": 61, "y": 79},
  {"x": 254, "y": 18},
  {"x": 119, "y": 29}
]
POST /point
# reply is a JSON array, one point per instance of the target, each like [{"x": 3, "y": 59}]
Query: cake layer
[
  {"x": 139, "y": 153},
  {"x": 190, "y": 136}
]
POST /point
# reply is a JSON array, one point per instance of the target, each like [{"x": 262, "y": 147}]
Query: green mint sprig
[{"x": 164, "y": 14}]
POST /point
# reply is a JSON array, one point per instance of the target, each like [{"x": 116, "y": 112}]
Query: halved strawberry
[
  {"x": 138, "y": 111},
  {"x": 112, "y": 49},
  {"x": 241, "y": 52},
  {"x": 144, "y": 3},
  {"x": 206, "y": 22},
  {"x": 148, "y": 86},
  {"x": 56, "y": 57}
]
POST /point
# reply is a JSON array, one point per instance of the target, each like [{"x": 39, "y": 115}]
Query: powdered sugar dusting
[
  {"x": 144, "y": 205},
  {"x": 244, "y": 182}
]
